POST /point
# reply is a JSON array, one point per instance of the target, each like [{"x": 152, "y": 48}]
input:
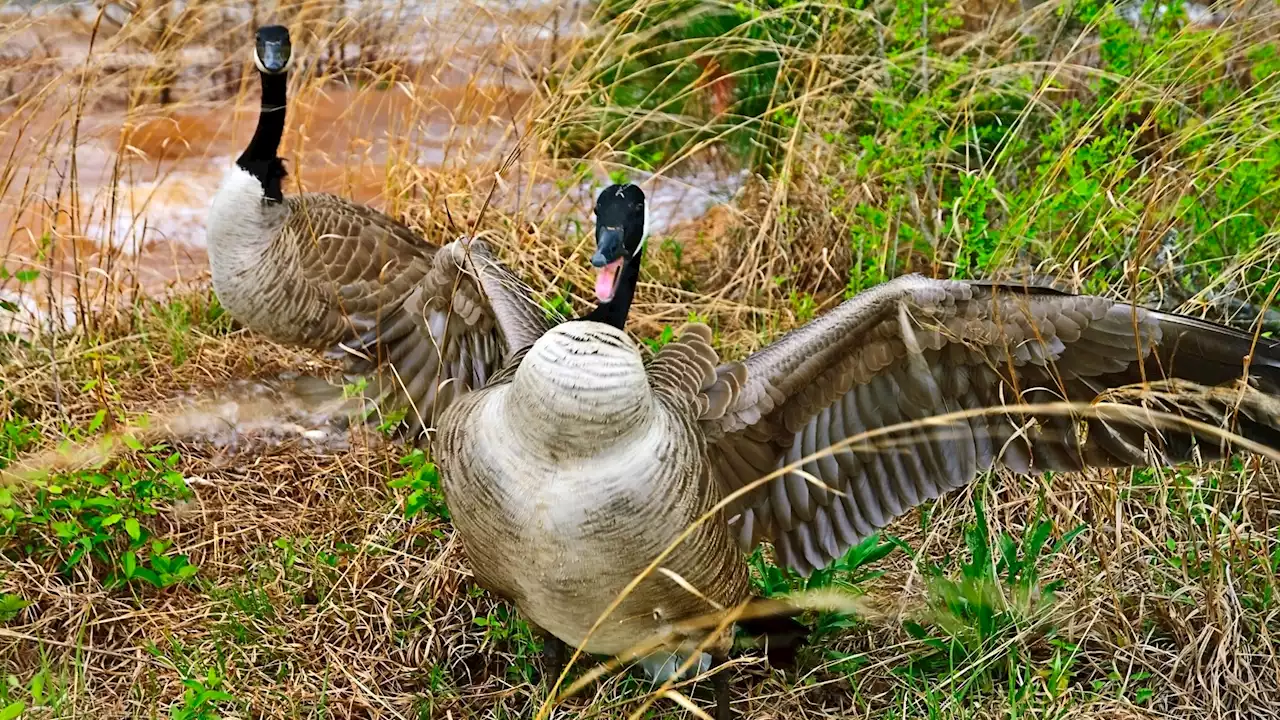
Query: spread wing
[
  {"x": 685, "y": 370},
  {"x": 356, "y": 265},
  {"x": 915, "y": 348},
  {"x": 456, "y": 327},
  {"x": 421, "y": 323}
]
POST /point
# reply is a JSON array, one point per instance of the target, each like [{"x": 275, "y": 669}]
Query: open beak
[{"x": 610, "y": 252}]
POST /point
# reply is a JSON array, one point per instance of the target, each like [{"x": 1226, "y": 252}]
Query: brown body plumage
[
  {"x": 575, "y": 467},
  {"x": 316, "y": 269},
  {"x": 321, "y": 271}
]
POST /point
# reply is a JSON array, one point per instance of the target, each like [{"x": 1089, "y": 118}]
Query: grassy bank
[
  {"x": 265, "y": 572},
  {"x": 260, "y": 565}
]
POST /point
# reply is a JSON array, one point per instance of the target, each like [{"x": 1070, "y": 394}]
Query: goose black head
[
  {"x": 620, "y": 236},
  {"x": 272, "y": 51}
]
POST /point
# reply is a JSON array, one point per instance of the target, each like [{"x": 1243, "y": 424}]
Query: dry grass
[{"x": 315, "y": 595}]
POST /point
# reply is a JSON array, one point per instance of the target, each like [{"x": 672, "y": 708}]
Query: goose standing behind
[
  {"x": 579, "y": 463},
  {"x": 321, "y": 271}
]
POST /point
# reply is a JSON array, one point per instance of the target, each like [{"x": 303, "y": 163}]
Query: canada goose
[
  {"x": 579, "y": 463},
  {"x": 321, "y": 271}
]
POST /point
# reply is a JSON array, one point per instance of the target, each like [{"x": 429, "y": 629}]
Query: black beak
[
  {"x": 273, "y": 56},
  {"x": 609, "y": 246}
]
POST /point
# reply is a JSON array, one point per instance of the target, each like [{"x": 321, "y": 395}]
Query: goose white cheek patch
[{"x": 607, "y": 280}]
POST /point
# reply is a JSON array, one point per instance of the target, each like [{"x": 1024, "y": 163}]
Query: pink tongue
[{"x": 605, "y": 280}]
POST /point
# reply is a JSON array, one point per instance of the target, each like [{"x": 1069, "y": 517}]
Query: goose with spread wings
[
  {"x": 321, "y": 271},
  {"x": 581, "y": 462}
]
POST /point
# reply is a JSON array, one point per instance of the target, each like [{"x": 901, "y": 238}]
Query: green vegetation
[
  {"x": 983, "y": 616},
  {"x": 423, "y": 482},
  {"x": 100, "y": 520},
  {"x": 247, "y": 569},
  {"x": 1075, "y": 139},
  {"x": 200, "y": 699}
]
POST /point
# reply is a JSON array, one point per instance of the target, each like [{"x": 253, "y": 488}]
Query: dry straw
[{"x": 316, "y": 596}]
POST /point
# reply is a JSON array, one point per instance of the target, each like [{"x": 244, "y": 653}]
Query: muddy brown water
[{"x": 143, "y": 175}]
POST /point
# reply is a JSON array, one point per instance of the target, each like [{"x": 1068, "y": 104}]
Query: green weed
[
  {"x": 557, "y": 307},
  {"x": 16, "y": 436},
  {"x": 201, "y": 699},
  {"x": 504, "y": 627},
  {"x": 423, "y": 482},
  {"x": 667, "y": 335},
  {"x": 10, "y": 606},
  {"x": 975, "y": 617},
  {"x": 101, "y": 519},
  {"x": 847, "y": 573}
]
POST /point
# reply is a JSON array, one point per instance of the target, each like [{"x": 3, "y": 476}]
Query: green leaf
[
  {"x": 131, "y": 527},
  {"x": 915, "y": 629},
  {"x": 160, "y": 563},
  {"x": 37, "y": 688},
  {"x": 1040, "y": 535},
  {"x": 98, "y": 418},
  {"x": 26, "y": 276},
  {"x": 112, "y": 519},
  {"x": 10, "y": 606},
  {"x": 148, "y": 575},
  {"x": 130, "y": 564},
  {"x": 1009, "y": 555},
  {"x": 1069, "y": 537},
  {"x": 414, "y": 504},
  {"x": 430, "y": 474},
  {"x": 12, "y": 711},
  {"x": 76, "y": 556},
  {"x": 66, "y": 530},
  {"x": 132, "y": 442},
  {"x": 413, "y": 457}
]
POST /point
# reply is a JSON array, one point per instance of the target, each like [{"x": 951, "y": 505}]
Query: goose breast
[{"x": 562, "y": 533}]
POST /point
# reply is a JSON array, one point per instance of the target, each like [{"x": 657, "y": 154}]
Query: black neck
[
  {"x": 614, "y": 312},
  {"x": 260, "y": 159}
]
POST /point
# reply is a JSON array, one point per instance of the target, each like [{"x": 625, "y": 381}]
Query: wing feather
[
  {"x": 456, "y": 329},
  {"x": 916, "y": 348}
]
